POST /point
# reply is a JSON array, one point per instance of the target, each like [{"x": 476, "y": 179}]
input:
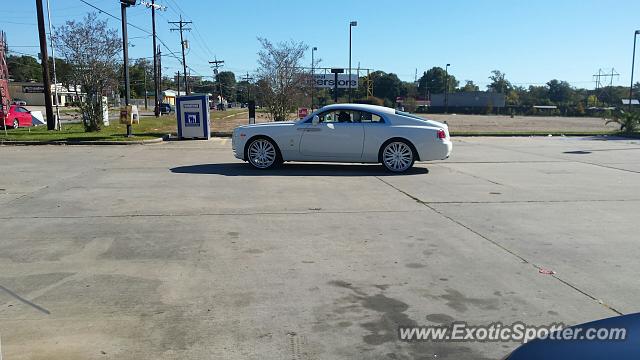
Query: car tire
[
  {"x": 16, "y": 124},
  {"x": 262, "y": 153},
  {"x": 398, "y": 156}
]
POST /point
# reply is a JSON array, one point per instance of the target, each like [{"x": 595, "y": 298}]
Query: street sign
[
  {"x": 303, "y": 112},
  {"x": 193, "y": 117}
]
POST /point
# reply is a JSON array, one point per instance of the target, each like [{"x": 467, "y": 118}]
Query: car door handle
[{"x": 308, "y": 129}]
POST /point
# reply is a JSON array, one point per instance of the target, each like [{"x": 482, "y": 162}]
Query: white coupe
[{"x": 345, "y": 133}]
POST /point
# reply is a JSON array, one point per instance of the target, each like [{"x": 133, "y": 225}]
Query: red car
[{"x": 18, "y": 117}]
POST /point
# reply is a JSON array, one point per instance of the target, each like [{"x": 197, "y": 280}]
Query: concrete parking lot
[{"x": 179, "y": 251}]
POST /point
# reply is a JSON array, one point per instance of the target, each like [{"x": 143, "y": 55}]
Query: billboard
[{"x": 328, "y": 80}]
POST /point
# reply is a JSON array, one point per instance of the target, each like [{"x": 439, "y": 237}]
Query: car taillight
[{"x": 442, "y": 134}]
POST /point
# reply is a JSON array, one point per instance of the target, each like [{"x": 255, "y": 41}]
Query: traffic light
[{"x": 128, "y": 2}]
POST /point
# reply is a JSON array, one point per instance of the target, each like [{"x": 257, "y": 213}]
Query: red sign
[{"x": 302, "y": 112}]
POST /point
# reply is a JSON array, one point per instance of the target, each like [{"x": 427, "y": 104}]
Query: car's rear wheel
[
  {"x": 16, "y": 124},
  {"x": 262, "y": 153},
  {"x": 398, "y": 156}
]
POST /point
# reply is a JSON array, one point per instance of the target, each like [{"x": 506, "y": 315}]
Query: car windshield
[{"x": 471, "y": 183}]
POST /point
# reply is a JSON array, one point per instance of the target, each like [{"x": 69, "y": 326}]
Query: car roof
[{"x": 363, "y": 107}]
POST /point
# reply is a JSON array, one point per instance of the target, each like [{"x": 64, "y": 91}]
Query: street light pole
[
  {"x": 633, "y": 60},
  {"x": 446, "y": 89},
  {"x": 351, "y": 25},
  {"x": 313, "y": 76}
]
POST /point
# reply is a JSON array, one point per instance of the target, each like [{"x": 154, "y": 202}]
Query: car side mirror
[{"x": 315, "y": 120}]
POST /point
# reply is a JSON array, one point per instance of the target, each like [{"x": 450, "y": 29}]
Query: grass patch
[{"x": 149, "y": 128}]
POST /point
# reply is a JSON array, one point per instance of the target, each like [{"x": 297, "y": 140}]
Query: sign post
[
  {"x": 335, "y": 72},
  {"x": 193, "y": 117},
  {"x": 252, "y": 111}
]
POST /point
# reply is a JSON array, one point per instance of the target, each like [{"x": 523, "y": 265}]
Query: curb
[
  {"x": 221, "y": 134},
  {"x": 79, "y": 142}
]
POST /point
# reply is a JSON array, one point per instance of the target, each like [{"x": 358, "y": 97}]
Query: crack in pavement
[
  {"x": 557, "y": 158},
  {"x": 504, "y": 248},
  {"x": 530, "y": 201},
  {"x": 313, "y": 212}
]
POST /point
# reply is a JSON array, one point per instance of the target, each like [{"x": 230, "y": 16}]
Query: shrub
[{"x": 629, "y": 121}]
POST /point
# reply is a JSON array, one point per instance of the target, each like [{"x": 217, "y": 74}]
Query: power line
[{"x": 134, "y": 26}]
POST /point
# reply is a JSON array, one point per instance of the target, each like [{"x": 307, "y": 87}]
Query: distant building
[
  {"x": 169, "y": 96},
  {"x": 33, "y": 93},
  {"x": 469, "y": 99}
]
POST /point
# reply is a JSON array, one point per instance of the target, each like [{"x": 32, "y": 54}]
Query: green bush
[{"x": 629, "y": 121}]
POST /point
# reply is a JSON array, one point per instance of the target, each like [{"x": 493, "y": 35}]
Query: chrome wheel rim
[
  {"x": 397, "y": 156},
  {"x": 15, "y": 124},
  {"x": 262, "y": 153}
]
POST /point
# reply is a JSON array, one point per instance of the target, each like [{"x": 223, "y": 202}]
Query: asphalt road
[{"x": 178, "y": 251}]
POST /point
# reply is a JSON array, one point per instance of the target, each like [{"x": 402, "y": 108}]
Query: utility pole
[
  {"x": 55, "y": 77},
  {"x": 178, "y": 83},
  {"x": 51, "y": 124},
  {"x": 125, "y": 53},
  {"x": 248, "y": 79},
  {"x": 215, "y": 64},
  {"x": 181, "y": 28}
]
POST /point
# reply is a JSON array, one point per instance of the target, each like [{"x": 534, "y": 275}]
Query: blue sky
[{"x": 532, "y": 41}]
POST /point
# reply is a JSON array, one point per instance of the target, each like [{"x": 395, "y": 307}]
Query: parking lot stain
[
  {"x": 459, "y": 302},
  {"x": 384, "y": 329},
  {"x": 415, "y": 265},
  {"x": 440, "y": 318},
  {"x": 254, "y": 251}
]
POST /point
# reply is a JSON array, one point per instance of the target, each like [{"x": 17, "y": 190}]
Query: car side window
[
  {"x": 23, "y": 110},
  {"x": 336, "y": 116},
  {"x": 349, "y": 116},
  {"x": 367, "y": 117}
]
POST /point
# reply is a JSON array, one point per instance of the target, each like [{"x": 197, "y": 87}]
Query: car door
[
  {"x": 338, "y": 136},
  {"x": 24, "y": 116}
]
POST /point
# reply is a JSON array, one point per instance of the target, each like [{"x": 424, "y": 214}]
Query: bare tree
[
  {"x": 91, "y": 49},
  {"x": 281, "y": 76}
]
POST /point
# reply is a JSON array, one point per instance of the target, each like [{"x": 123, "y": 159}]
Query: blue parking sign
[{"x": 191, "y": 119}]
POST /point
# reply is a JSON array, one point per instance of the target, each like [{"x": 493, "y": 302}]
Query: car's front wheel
[
  {"x": 16, "y": 124},
  {"x": 262, "y": 153},
  {"x": 397, "y": 156}
]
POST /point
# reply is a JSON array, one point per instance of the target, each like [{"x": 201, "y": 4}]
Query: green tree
[
  {"x": 387, "y": 87},
  {"x": 140, "y": 69},
  {"x": 434, "y": 81},
  {"x": 24, "y": 68},
  {"x": 469, "y": 86},
  {"x": 559, "y": 91},
  {"x": 226, "y": 82},
  {"x": 499, "y": 83}
]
